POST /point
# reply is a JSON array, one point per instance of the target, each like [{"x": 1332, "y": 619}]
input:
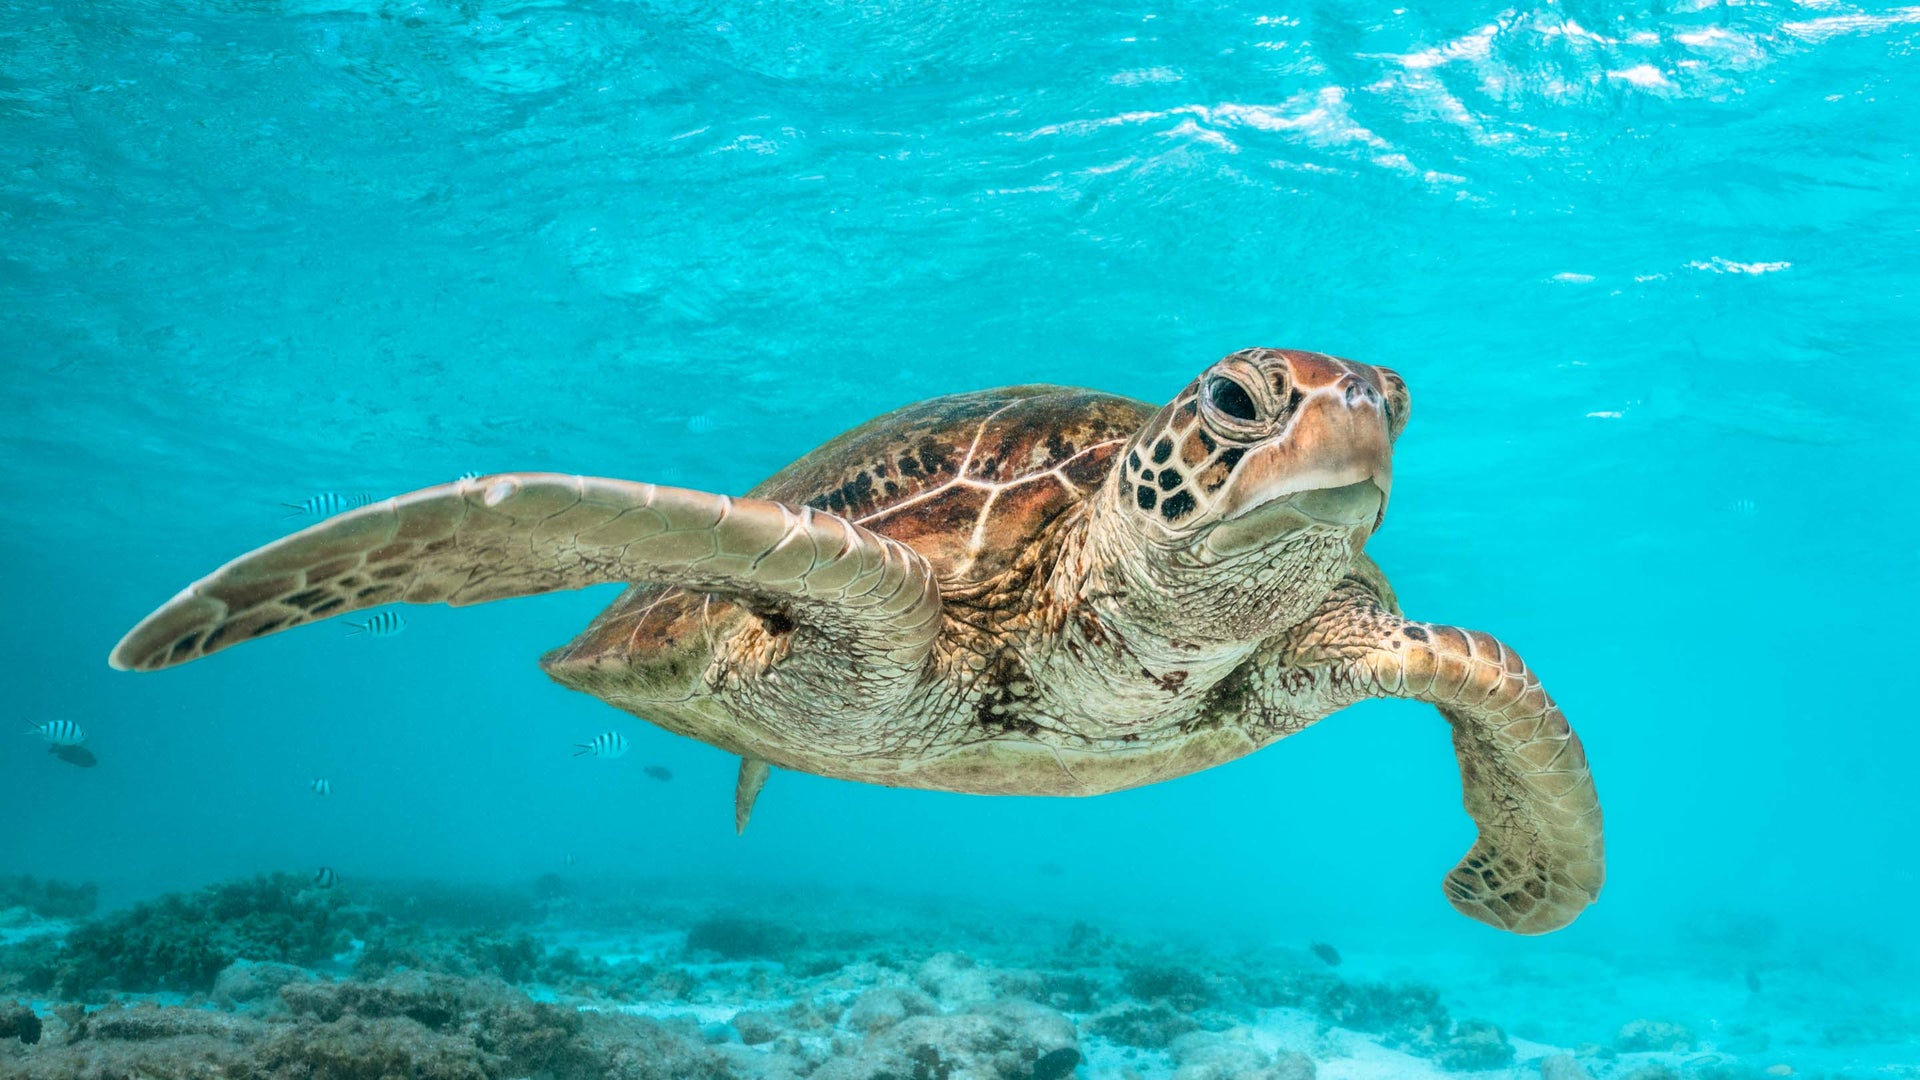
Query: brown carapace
[{"x": 1036, "y": 590}]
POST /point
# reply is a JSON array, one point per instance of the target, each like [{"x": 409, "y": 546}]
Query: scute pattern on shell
[{"x": 966, "y": 480}]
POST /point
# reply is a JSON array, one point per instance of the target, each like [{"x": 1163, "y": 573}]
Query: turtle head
[{"x": 1253, "y": 491}]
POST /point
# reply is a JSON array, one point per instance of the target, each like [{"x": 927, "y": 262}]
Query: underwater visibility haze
[{"x": 1626, "y": 294}]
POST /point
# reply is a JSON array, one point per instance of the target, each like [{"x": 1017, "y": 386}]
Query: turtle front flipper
[
  {"x": 518, "y": 534},
  {"x": 1540, "y": 858}
]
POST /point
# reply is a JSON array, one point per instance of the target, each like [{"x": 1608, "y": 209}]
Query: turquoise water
[{"x": 1648, "y": 269}]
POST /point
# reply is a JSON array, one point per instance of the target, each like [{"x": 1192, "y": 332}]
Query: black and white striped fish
[
  {"x": 322, "y": 786},
  {"x": 383, "y": 624},
  {"x": 609, "y": 745},
  {"x": 60, "y": 732},
  {"x": 325, "y": 878},
  {"x": 466, "y": 476},
  {"x": 327, "y": 504}
]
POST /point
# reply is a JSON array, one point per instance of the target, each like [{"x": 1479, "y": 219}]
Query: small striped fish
[
  {"x": 322, "y": 787},
  {"x": 702, "y": 424},
  {"x": 325, "y": 878},
  {"x": 383, "y": 624},
  {"x": 466, "y": 476},
  {"x": 60, "y": 732},
  {"x": 327, "y": 504},
  {"x": 610, "y": 745}
]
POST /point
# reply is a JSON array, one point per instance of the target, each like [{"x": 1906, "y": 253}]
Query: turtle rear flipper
[
  {"x": 519, "y": 534},
  {"x": 753, "y": 777}
]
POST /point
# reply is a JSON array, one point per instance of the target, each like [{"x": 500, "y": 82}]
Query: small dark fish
[
  {"x": 1056, "y": 1064},
  {"x": 466, "y": 476},
  {"x": 327, "y": 504},
  {"x": 1052, "y": 869},
  {"x": 569, "y": 858},
  {"x": 74, "y": 755},
  {"x": 1326, "y": 952},
  {"x": 322, "y": 786},
  {"x": 1753, "y": 981},
  {"x": 610, "y": 744},
  {"x": 659, "y": 772},
  {"x": 383, "y": 624},
  {"x": 325, "y": 878}
]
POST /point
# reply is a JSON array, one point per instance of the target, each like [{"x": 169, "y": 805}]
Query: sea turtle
[{"x": 1036, "y": 590}]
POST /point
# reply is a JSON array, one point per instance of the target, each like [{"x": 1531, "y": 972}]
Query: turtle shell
[{"x": 967, "y": 480}]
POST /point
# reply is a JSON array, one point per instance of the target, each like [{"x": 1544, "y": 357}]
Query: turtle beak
[{"x": 1332, "y": 466}]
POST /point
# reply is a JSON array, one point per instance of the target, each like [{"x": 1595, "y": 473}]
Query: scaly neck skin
[{"x": 1172, "y": 601}]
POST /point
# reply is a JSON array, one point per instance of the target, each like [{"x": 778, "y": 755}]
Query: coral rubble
[
  {"x": 269, "y": 979},
  {"x": 182, "y": 942},
  {"x": 47, "y": 898}
]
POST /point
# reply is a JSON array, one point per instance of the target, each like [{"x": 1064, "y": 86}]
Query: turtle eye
[{"x": 1231, "y": 399}]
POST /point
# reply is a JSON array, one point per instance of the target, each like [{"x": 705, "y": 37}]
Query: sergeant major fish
[
  {"x": 60, "y": 732},
  {"x": 383, "y": 624},
  {"x": 608, "y": 745},
  {"x": 327, "y": 504}
]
